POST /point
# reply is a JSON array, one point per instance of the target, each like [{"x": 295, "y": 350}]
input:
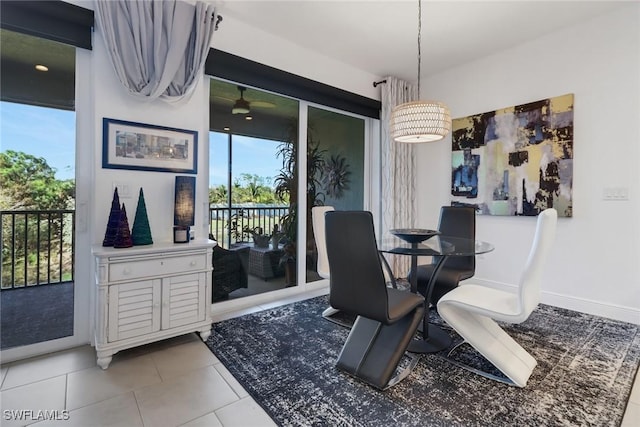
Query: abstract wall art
[{"x": 517, "y": 160}]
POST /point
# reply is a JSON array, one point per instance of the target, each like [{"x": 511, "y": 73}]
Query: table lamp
[{"x": 184, "y": 208}]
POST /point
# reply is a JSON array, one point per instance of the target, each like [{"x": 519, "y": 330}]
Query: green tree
[
  {"x": 256, "y": 189},
  {"x": 28, "y": 182},
  {"x": 218, "y": 194},
  {"x": 248, "y": 188}
]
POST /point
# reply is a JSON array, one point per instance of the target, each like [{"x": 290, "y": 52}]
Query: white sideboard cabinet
[{"x": 149, "y": 293}]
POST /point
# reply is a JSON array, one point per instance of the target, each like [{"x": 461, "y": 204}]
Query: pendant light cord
[{"x": 419, "y": 37}]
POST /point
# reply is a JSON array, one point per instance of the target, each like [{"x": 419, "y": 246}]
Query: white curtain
[
  {"x": 157, "y": 48},
  {"x": 397, "y": 170}
]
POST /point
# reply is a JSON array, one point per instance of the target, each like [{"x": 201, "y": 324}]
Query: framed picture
[{"x": 137, "y": 146}]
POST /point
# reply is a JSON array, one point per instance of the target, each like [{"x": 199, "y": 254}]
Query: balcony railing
[
  {"x": 227, "y": 224},
  {"x": 37, "y": 247}
]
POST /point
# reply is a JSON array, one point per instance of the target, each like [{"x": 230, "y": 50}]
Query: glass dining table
[{"x": 440, "y": 247}]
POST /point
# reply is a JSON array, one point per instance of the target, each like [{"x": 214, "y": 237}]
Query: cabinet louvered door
[
  {"x": 134, "y": 309},
  {"x": 183, "y": 300}
]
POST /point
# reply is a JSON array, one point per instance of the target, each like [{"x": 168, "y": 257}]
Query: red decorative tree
[
  {"x": 141, "y": 232},
  {"x": 114, "y": 220},
  {"x": 123, "y": 237}
]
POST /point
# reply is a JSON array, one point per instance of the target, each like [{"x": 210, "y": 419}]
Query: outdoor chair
[{"x": 229, "y": 271}]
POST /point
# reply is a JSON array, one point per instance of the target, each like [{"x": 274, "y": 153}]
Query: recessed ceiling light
[
  {"x": 248, "y": 118},
  {"x": 41, "y": 67},
  {"x": 226, "y": 128}
]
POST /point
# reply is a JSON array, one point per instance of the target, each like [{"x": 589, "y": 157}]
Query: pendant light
[{"x": 420, "y": 121}]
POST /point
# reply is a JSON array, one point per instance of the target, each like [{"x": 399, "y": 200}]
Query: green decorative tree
[
  {"x": 114, "y": 220},
  {"x": 123, "y": 237},
  {"x": 141, "y": 232}
]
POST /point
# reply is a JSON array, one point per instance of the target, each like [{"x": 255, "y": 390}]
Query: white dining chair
[
  {"x": 317, "y": 217},
  {"x": 472, "y": 310}
]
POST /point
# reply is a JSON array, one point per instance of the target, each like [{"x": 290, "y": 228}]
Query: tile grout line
[
  {"x": 41, "y": 357},
  {"x": 4, "y": 376},
  {"x": 122, "y": 394},
  {"x": 228, "y": 383},
  {"x": 138, "y": 406},
  {"x": 203, "y": 415},
  {"x": 66, "y": 390}
]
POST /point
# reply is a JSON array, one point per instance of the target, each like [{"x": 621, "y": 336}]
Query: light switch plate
[
  {"x": 124, "y": 189},
  {"x": 615, "y": 193}
]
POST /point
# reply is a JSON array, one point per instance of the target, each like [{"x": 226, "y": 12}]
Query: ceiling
[
  {"x": 21, "y": 82},
  {"x": 380, "y": 37}
]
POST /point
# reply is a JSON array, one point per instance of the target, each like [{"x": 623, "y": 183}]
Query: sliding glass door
[
  {"x": 272, "y": 159},
  {"x": 335, "y": 169},
  {"x": 38, "y": 295},
  {"x": 253, "y": 190}
]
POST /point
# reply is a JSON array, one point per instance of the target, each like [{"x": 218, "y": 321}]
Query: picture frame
[{"x": 145, "y": 147}]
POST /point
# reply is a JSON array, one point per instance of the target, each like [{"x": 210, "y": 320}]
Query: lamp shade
[
  {"x": 420, "y": 121},
  {"x": 185, "y": 201}
]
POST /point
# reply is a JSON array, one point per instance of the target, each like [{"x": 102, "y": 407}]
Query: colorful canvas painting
[{"x": 517, "y": 160}]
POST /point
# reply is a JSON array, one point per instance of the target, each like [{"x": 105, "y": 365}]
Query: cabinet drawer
[{"x": 156, "y": 267}]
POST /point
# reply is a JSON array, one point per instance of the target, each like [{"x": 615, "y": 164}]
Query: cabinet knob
[
  {"x": 126, "y": 270},
  {"x": 192, "y": 263}
]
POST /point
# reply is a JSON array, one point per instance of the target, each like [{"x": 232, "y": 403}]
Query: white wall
[
  {"x": 595, "y": 265},
  {"x": 109, "y": 99},
  {"x": 100, "y": 95},
  {"x": 249, "y": 42}
]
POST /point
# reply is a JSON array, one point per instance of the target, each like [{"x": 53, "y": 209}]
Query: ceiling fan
[{"x": 243, "y": 106}]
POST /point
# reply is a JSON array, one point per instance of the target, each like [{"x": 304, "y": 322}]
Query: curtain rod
[{"x": 375, "y": 84}]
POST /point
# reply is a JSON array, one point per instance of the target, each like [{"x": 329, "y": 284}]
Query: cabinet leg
[
  {"x": 104, "y": 360},
  {"x": 204, "y": 334}
]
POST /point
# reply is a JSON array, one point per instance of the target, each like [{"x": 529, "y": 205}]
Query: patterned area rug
[{"x": 285, "y": 359}]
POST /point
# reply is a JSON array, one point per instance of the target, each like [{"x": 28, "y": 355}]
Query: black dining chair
[
  {"x": 455, "y": 221},
  {"x": 387, "y": 318}
]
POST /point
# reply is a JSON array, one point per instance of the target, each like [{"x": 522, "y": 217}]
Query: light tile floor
[{"x": 176, "y": 382}]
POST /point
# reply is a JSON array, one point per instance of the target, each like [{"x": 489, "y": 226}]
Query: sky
[
  {"x": 250, "y": 155},
  {"x": 50, "y": 133},
  {"x": 42, "y": 132}
]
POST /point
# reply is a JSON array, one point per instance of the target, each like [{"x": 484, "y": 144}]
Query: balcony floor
[{"x": 35, "y": 314}]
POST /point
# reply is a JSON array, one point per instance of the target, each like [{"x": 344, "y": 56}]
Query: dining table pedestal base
[{"x": 437, "y": 340}]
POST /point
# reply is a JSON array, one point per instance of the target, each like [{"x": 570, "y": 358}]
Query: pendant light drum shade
[{"x": 420, "y": 121}]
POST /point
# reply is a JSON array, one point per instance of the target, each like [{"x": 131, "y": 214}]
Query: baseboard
[
  {"x": 41, "y": 348},
  {"x": 583, "y": 305},
  {"x": 251, "y": 301}
]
